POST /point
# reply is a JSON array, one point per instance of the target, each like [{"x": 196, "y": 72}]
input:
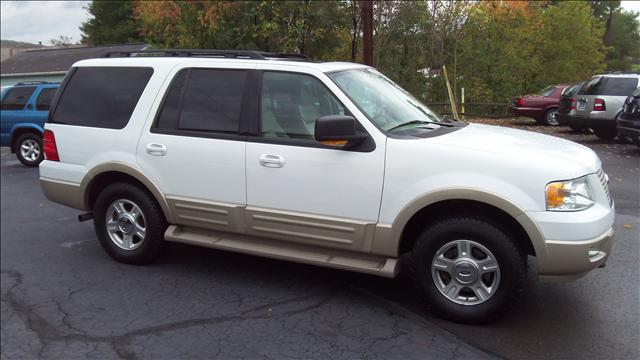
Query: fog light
[{"x": 596, "y": 255}]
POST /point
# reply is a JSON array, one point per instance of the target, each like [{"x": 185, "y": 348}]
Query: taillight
[
  {"x": 50, "y": 148},
  {"x": 520, "y": 102},
  {"x": 573, "y": 104},
  {"x": 598, "y": 105}
]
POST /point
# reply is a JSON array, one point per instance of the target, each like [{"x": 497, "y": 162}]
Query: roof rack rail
[
  {"x": 34, "y": 82},
  {"x": 618, "y": 72},
  {"x": 226, "y": 54}
]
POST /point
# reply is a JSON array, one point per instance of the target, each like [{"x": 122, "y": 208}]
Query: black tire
[
  {"x": 606, "y": 134},
  {"x": 511, "y": 261},
  {"x": 550, "y": 117},
  {"x": 576, "y": 127},
  {"x": 625, "y": 139},
  {"x": 34, "y": 141},
  {"x": 154, "y": 222}
]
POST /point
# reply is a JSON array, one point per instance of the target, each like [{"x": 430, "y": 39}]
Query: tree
[
  {"x": 112, "y": 23},
  {"x": 62, "y": 41},
  {"x": 623, "y": 41}
]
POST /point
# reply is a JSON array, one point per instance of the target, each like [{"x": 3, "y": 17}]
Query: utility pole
[{"x": 367, "y": 32}]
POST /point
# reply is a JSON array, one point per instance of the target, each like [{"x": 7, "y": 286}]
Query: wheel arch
[
  {"x": 399, "y": 237},
  {"x": 20, "y": 129},
  {"x": 105, "y": 174}
]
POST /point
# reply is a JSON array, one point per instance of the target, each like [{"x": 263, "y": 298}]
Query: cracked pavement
[{"x": 63, "y": 297}]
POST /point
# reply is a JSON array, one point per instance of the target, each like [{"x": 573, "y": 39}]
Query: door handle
[
  {"x": 156, "y": 149},
  {"x": 272, "y": 161}
]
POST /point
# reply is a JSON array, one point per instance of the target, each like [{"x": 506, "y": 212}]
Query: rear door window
[
  {"x": 17, "y": 98},
  {"x": 43, "y": 101},
  {"x": 103, "y": 97},
  {"x": 619, "y": 86},
  {"x": 208, "y": 100}
]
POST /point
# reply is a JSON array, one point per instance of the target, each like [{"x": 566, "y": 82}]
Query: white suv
[{"x": 330, "y": 164}]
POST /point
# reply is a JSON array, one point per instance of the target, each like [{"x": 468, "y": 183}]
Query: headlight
[{"x": 570, "y": 195}]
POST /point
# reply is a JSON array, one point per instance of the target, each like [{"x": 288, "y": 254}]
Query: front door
[
  {"x": 193, "y": 149},
  {"x": 299, "y": 190}
]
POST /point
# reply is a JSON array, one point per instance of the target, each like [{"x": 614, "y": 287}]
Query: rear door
[{"x": 194, "y": 149}]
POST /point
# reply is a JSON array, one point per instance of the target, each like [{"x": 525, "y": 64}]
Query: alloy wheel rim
[
  {"x": 465, "y": 272},
  {"x": 126, "y": 225},
  {"x": 551, "y": 118},
  {"x": 30, "y": 150}
]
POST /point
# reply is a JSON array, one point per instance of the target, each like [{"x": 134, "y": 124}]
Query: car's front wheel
[
  {"x": 29, "y": 149},
  {"x": 129, "y": 223},
  {"x": 467, "y": 269}
]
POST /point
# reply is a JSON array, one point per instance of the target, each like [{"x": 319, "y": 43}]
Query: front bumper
[{"x": 570, "y": 260}]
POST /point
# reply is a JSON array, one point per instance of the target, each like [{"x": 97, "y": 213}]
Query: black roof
[{"x": 49, "y": 60}]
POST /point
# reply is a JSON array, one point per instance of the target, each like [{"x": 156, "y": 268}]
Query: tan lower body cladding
[{"x": 309, "y": 239}]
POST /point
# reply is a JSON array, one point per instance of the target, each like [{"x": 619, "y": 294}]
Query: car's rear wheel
[
  {"x": 129, "y": 223},
  {"x": 29, "y": 149},
  {"x": 576, "y": 127},
  {"x": 550, "y": 117},
  {"x": 606, "y": 133},
  {"x": 467, "y": 269}
]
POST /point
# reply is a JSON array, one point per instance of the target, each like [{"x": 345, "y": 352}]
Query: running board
[{"x": 281, "y": 250}]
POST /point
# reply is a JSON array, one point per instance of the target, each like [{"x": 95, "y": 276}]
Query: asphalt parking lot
[{"x": 63, "y": 297}]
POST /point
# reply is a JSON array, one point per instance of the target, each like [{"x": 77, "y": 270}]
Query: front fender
[{"x": 388, "y": 236}]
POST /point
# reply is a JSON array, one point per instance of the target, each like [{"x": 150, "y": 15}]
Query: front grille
[{"x": 605, "y": 184}]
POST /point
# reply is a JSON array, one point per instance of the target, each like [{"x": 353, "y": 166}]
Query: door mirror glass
[{"x": 338, "y": 131}]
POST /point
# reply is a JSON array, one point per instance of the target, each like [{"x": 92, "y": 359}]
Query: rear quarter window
[
  {"x": 619, "y": 86},
  {"x": 43, "y": 101},
  {"x": 102, "y": 97}
]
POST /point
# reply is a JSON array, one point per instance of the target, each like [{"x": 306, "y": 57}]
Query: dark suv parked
[{"x": 629, "y": 119}]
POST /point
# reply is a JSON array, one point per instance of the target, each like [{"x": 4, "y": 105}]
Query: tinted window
[
  {"x": 619, "y": 86},
  {"x": 591, "y": 87},
  {"x": 205, "y": 100},
  {"x": 101, "y": 96},
  {"x": 16, "y": 98},
  {"x": 43, "y": 101},
  {"x": 571, "y": 90},
  {"x": 168, "y": 118},
  {"x": 291, "y": 103},
  {"x": 615, "y": 86}
]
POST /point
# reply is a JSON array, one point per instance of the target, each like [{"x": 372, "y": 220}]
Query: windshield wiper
[{"x": 412, "y": 122}]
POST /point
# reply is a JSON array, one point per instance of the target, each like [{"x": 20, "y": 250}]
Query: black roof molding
[{"x": 210, "y": 53}]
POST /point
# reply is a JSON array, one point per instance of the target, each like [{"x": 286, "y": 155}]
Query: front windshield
[{"x": 385, "y": 103}]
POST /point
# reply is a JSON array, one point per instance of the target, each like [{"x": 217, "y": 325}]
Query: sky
[{"x": 33, "y": 21}]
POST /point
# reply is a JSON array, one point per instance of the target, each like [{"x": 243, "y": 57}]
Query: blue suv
[{"x": 25, "y": 107}]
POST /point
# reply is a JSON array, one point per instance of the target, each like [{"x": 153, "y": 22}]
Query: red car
[{"x": 542, "y": 106}]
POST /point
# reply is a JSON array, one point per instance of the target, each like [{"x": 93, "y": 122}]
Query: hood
[{"x": 525, "y": 146}]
